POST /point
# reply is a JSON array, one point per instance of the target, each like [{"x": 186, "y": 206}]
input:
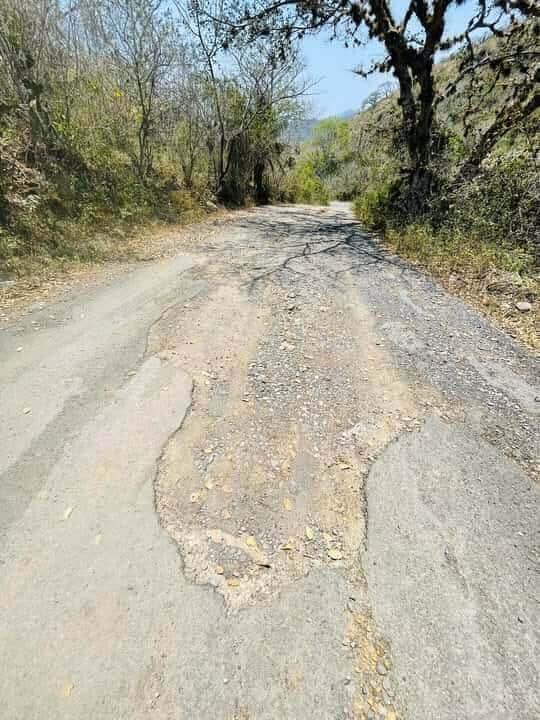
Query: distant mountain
[
  {"x": 303, "y": 129},
  {"x": 346, "y": 114}
]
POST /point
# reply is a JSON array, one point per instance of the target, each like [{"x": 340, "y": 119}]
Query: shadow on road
[{"x": 291, "y": 239}]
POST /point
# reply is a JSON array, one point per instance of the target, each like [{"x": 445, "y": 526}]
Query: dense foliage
[
  {"x": 116, "y": 111},
  {"x": 491, "y": 213},
  {"x": 497, "y": 205},
  {"x": 411, "y": 35}
]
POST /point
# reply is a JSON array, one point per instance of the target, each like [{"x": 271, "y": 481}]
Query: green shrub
[
  {"x": 501, "y": 204},
  {"x": 182, "y": 201},
  {"x": 372, "y": 206},
  {"x": 304, "y": 186}
]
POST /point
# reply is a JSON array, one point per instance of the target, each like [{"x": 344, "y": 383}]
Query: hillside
[
  {"x": 108, "y": 124},
  {"x": 481, "y": 232}
]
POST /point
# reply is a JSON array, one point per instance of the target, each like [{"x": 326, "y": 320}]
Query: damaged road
[{"x": 281, "y": 475}]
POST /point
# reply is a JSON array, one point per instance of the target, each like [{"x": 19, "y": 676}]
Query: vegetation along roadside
[
  {"x": 442, "y": 161},
  {"x": 116, "y": 115}
]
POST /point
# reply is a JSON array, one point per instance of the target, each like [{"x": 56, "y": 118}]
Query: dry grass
[
  {"x": 491, "y": 277},
  {"x": 40, "y": 278}
]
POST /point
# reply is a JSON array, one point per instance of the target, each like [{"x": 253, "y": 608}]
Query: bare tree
[
  {"x": 209, "y": 38},
  {"x": 246, "y": 85},
  {"x": 189, "y": 112},
  {"x": 139, "y": 36}
]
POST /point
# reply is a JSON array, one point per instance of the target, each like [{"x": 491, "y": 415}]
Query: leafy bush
[
  {"x": 371, "y": 207},
  {"x": 304, "y": 186},
  {"x": 491, "y": 221},
  {"x": 503, "y": 203}
]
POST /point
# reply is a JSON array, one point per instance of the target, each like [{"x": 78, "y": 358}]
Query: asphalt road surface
[{"x": 275, "y": 475}]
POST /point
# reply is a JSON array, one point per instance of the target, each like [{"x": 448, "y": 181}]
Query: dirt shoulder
[
  {"x": 508, "y": 298},
  {"x": 57, "y": 279}
]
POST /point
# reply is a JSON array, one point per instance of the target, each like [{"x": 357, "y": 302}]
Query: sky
[{"x": 339, "y": 89}]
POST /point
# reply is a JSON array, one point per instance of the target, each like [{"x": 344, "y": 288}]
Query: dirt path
[{"x": 283, "y": 477}]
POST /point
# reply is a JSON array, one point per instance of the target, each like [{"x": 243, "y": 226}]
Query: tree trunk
[
  {"x": 418, "y": 114},
  {"x": 426, "y": 117},
  {"x": 418, "y": 117},
  {"x": 262, "y": 195}
]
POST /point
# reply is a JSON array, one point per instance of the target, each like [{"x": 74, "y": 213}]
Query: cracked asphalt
[{"x": 278, "y": 474}]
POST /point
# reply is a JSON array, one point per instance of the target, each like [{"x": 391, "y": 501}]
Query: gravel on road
[{"x": 281, "y": 475}]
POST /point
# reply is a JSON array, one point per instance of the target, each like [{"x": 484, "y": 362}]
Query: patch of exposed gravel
[{"x": 454, "y": 358}]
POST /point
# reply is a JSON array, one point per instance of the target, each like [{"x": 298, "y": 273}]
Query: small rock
[
  {"x": 381, "y": 668},
  {"x": 524, "y": 306},
  {"x": 287, "y": 504},
  {"x": 335, "y": 554},
  {"x": 387, "y": 685},
  {"x": 26, "y": 410}
]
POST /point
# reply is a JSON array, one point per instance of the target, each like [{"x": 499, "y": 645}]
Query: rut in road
[
  {"x": 264, "y": 481},
  {"x": 294, "y": 398}
]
